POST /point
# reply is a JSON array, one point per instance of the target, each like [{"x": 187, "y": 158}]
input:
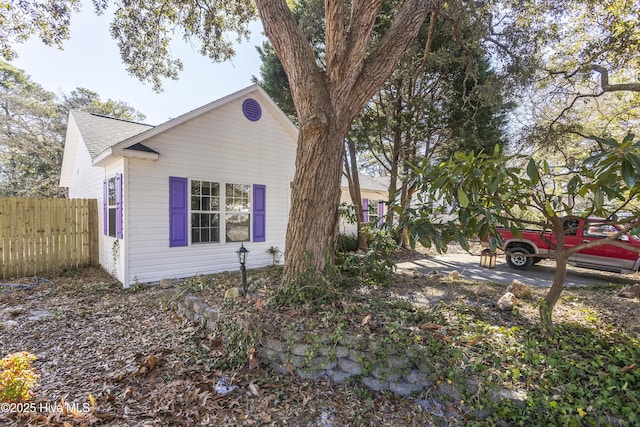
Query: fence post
[{"x": 93, "y": 233}]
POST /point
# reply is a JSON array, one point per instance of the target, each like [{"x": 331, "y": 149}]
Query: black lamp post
[{"x": 242, "y": 257}]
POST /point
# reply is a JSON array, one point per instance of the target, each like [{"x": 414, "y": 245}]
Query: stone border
[
  {"x": 346, "y": 358},
  {"x": 192, "y": 308}
]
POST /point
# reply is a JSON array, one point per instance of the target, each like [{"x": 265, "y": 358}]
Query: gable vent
[{"x": 251, "y": 109}]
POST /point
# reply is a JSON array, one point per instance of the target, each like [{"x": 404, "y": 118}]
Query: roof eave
[
  {"x": 137, "y": 154},
  {"x": 100, "y": 158}
]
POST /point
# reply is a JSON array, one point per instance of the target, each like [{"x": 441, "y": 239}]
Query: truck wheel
[{"x": 517, "y": 258}]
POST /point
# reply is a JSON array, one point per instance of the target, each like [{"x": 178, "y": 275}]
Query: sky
[{"x": 90, "y": 59}]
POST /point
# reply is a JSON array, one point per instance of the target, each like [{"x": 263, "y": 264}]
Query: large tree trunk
[
  {"x": 327, "y": 100},
  {"x": 313, "y": 220}
]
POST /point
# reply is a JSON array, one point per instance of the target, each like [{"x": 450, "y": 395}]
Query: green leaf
[
  {"x": 634, "y": 159},
  {"x": 532, "y": 171},
  {"x": 598, "y": 199},
  {"x": 628, "y": 173},
  {"x": 573, "y": 184},
  {"x": 628, "y": 138},
  {"x": 606, "y": 141},
  {"x": 462, "y": 198}
]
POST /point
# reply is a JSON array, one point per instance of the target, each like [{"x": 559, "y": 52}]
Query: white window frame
[
  {"x": 199, "y": 212},
  {"x": 112, "y": 210}
]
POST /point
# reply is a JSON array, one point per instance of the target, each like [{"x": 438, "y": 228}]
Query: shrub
[
  {"x": 17, "y": 378},
  {"x": 375, "y": 266},
  {"x": 347, "y": 243}
]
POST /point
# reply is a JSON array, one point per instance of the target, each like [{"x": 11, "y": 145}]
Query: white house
[
  {"x": 375, "y": 195},
  {"x": 179, "y": 199}
]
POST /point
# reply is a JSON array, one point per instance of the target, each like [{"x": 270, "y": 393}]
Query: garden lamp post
[{"x": 242, "y": 257}]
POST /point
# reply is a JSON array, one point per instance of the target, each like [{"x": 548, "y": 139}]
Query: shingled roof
[
  {"x": 101, "y": 132},
  {"x": 379, "y": 183}
]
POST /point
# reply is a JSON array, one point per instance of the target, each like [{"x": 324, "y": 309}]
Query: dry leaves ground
[
  {"x": 145, "y": 366},
  {"x": 124, "y": 358}
]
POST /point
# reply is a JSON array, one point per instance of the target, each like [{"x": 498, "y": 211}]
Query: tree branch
[
  {"x": 335, "y": 35},
  {"x": 385, "y": 56},
  {"x": 604, "y": 81},
  {"x": 293, "y": 50}
]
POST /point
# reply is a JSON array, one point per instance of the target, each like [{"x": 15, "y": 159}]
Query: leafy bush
[
  {"x": 17, "y": 378},
  {"x": 307, "y": 289},
  {"x": 347, "y": 243},
  {"x": 375, "y": 266}
]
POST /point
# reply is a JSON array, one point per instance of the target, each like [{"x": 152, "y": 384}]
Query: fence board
[{"x": 43, "y": 236}]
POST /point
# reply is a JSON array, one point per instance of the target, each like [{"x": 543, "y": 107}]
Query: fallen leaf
[
  {"x": 254, "y": 389},
  {"x": 253, "y": 359},
  {"x": 430, "y": 326},
  {"x": 365, "y": 320},
  {"x": 443, "y": 337},
  {"x": 475, "y": 341},
  {"x": 628, "y": 368}
]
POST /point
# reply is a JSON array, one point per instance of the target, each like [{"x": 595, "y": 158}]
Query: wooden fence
[{"x": 44, "y": 236}]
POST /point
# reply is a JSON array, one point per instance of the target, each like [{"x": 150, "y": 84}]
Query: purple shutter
[
  {"x": 119, "y": 206},
  {"x": 365, "y": 209},
  {"x": 259, "y": 213},
  {"x": 380, "y": 213},
  {"x": 105, "y": 207},
  {"x": 178, "y": 211}
]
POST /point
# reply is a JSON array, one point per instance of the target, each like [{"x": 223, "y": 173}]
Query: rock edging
[{"x": 341, "y": 358}]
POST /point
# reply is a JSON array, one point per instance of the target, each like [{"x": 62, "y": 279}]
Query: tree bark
[
  {"x": 548, "y": 303},
  {"x": 351, "y": 168},
  {"x": 326, "y": 103}
]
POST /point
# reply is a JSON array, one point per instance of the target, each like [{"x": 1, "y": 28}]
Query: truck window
[
  {"x": 600, "y": 230},
  {"x": 570, "y": 227}
]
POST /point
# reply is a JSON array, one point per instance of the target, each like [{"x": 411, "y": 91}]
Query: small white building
[
  {"x": 178, "y": 199},
  {"x": 375, "y": 196}
]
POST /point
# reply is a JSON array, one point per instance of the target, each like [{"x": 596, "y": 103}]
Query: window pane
[
  {"x": 206, "y": 188},
  {"x": 195, "y": 203},
  {"x": 112, "y": 222},
  {"x": 195, "y": 236},
  {"x": 215, "y": 204},
  {"x": 215, "y": 189},
  {"x": 112, "y": 191},
  {"x": 237, "y": 227},
  {"x": 237, "y": 198},
  {"x": 195, "y": 188}
]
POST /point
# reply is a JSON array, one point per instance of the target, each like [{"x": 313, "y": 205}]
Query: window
[
  {"x": 599, "y": 230},
  {"x": 570, "y": 227},
  {"x": 237, "y": 212},
  {"x": 205, "y": 212},
  {"x": 111, "y": 205},
  {"x": 373, "y": 212},
  {"x": 214, "y": 212}
]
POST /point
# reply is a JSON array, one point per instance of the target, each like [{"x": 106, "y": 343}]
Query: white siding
[
  {"x": 221, "y": 146},
  {"x": 366, "y": 194},
  {"x": 86, "y": 182}
]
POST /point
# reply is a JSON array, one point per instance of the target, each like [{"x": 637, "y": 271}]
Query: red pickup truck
[{"x": 535, "y": 245}]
